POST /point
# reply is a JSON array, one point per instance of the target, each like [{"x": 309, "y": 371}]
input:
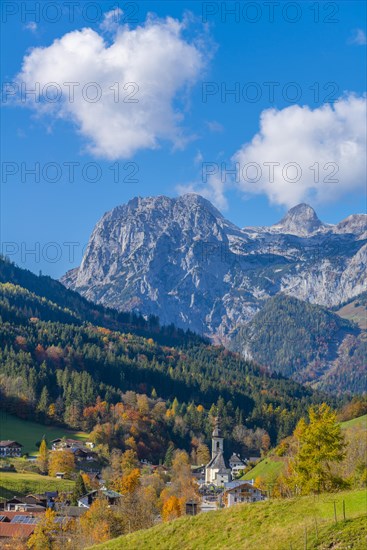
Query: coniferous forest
[{"x": 70, "y": 362}]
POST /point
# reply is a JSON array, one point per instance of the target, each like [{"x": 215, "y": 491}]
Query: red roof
[
  {"x": 10, "y": 530},
  {"x": 12, "y": 514}
]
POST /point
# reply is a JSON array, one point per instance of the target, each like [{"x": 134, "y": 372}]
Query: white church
[{"x": 216, "y": 472}]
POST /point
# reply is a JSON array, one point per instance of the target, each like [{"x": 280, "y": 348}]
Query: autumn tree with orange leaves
[
  {"x": 99, "y": 523},
  {"x": 172, "y": 508}
]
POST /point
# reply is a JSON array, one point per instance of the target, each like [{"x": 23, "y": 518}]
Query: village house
[
  {"x": 236, "y": 464},
  {"x": 239, "y": 491},
  {"x": 216, "y": 471},
  {"x": 21, "y": 525},
  {"x": 64, "y": 443},
  {"x": 17, "y": 524},
  {"x": 22, "y": 504},
  {"x": 69, "y": 511},
  {"x": 10, "y": 448},
  {"x": 30, "y": 503},
  {"x": 81, "y": 451},
  {"x": 198, "y": 473},
  {"x": 111, "y": 496}
]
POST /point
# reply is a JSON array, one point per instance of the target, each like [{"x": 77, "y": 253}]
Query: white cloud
[
  {"x": 214, "y": 126},
  {"x": 111, "y": 20},
  {"x": 333, "y": 136},
  {"x": 198, "y": 159},
  {"x": 31, "y": 26},
  {"x": 155, "y": 57},
  {"x": 213, "y": 190},
  {"x": 358, "y": 37}
]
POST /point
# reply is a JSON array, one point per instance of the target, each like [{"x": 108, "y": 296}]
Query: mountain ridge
[
  {"x": 306, "y": 342},
  {"x": 181, "y": 260}
]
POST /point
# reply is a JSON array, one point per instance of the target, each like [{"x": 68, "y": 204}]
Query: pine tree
[
  {"x": 175, "y": 406},
  {"x": 169, "y": 455},
  {"x": 79, "y": 489},
  {"x": 42, "y": 460},
  {"x": 44, "y": 400}
]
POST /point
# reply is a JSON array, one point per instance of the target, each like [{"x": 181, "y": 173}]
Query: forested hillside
[
  {"x": 306, "y": 342},
  {"x": 85, "y": 311},
  {"x": 355, "y": 310},
  {"x": 55, "y": 365}
]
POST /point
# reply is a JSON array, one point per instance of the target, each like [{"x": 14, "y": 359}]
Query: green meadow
[
  {"x": 29, "y": 433},
  {"x": 19, "y": 484},
  {"x": 274, "y": 524}
]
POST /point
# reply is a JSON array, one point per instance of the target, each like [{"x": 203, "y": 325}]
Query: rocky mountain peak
[
  {"x": 355, "y": 223},
  {"x": 150, "y": 207},
  {"x": 300, "y": 220},
  {"x": 180, "y": 259}
]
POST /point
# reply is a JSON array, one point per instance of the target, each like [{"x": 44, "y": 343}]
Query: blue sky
[{"x": 318, "y": 55}]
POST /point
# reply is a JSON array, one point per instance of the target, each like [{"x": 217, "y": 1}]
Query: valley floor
[{"x": 273, "y": 525}]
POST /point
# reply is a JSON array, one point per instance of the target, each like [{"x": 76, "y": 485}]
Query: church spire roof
[{"x": 217, "y": 432}]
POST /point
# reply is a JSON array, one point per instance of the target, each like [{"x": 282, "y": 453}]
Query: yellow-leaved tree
[
  {"x": 321, "y": 447},
  {"x": 172, "y": 508},
  {"x": 46, "y": 532},
  {"x": 129, "y": 461},
  {"x": 99, "y": 523},
  {"x": 42, "y": 459},
  {"x": 61, "y": 461},
  {"x": 128, "y": 483}
]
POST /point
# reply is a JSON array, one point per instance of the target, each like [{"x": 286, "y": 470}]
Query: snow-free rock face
[
  {"x": 182, "y": 260},
  {"x": 300, "y": 220},
  {"x": 356, "y": 224}
]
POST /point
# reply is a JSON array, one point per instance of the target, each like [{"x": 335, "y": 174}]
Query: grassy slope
[
  {"x": 14, "y": 484},
  {"x": 268, "y": 469},
  {"x": 354, "y": 313},
  {"x": 275, "y": 524},
  {"x": 29, "y": 433},
  {"x": 349, "y": 534},
  {"x": 360, "y": 421}
]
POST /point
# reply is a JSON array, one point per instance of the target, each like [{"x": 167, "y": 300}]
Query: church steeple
[
  {"x": 217, "y": 439},
  {"x": 216, "y": 471}
]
